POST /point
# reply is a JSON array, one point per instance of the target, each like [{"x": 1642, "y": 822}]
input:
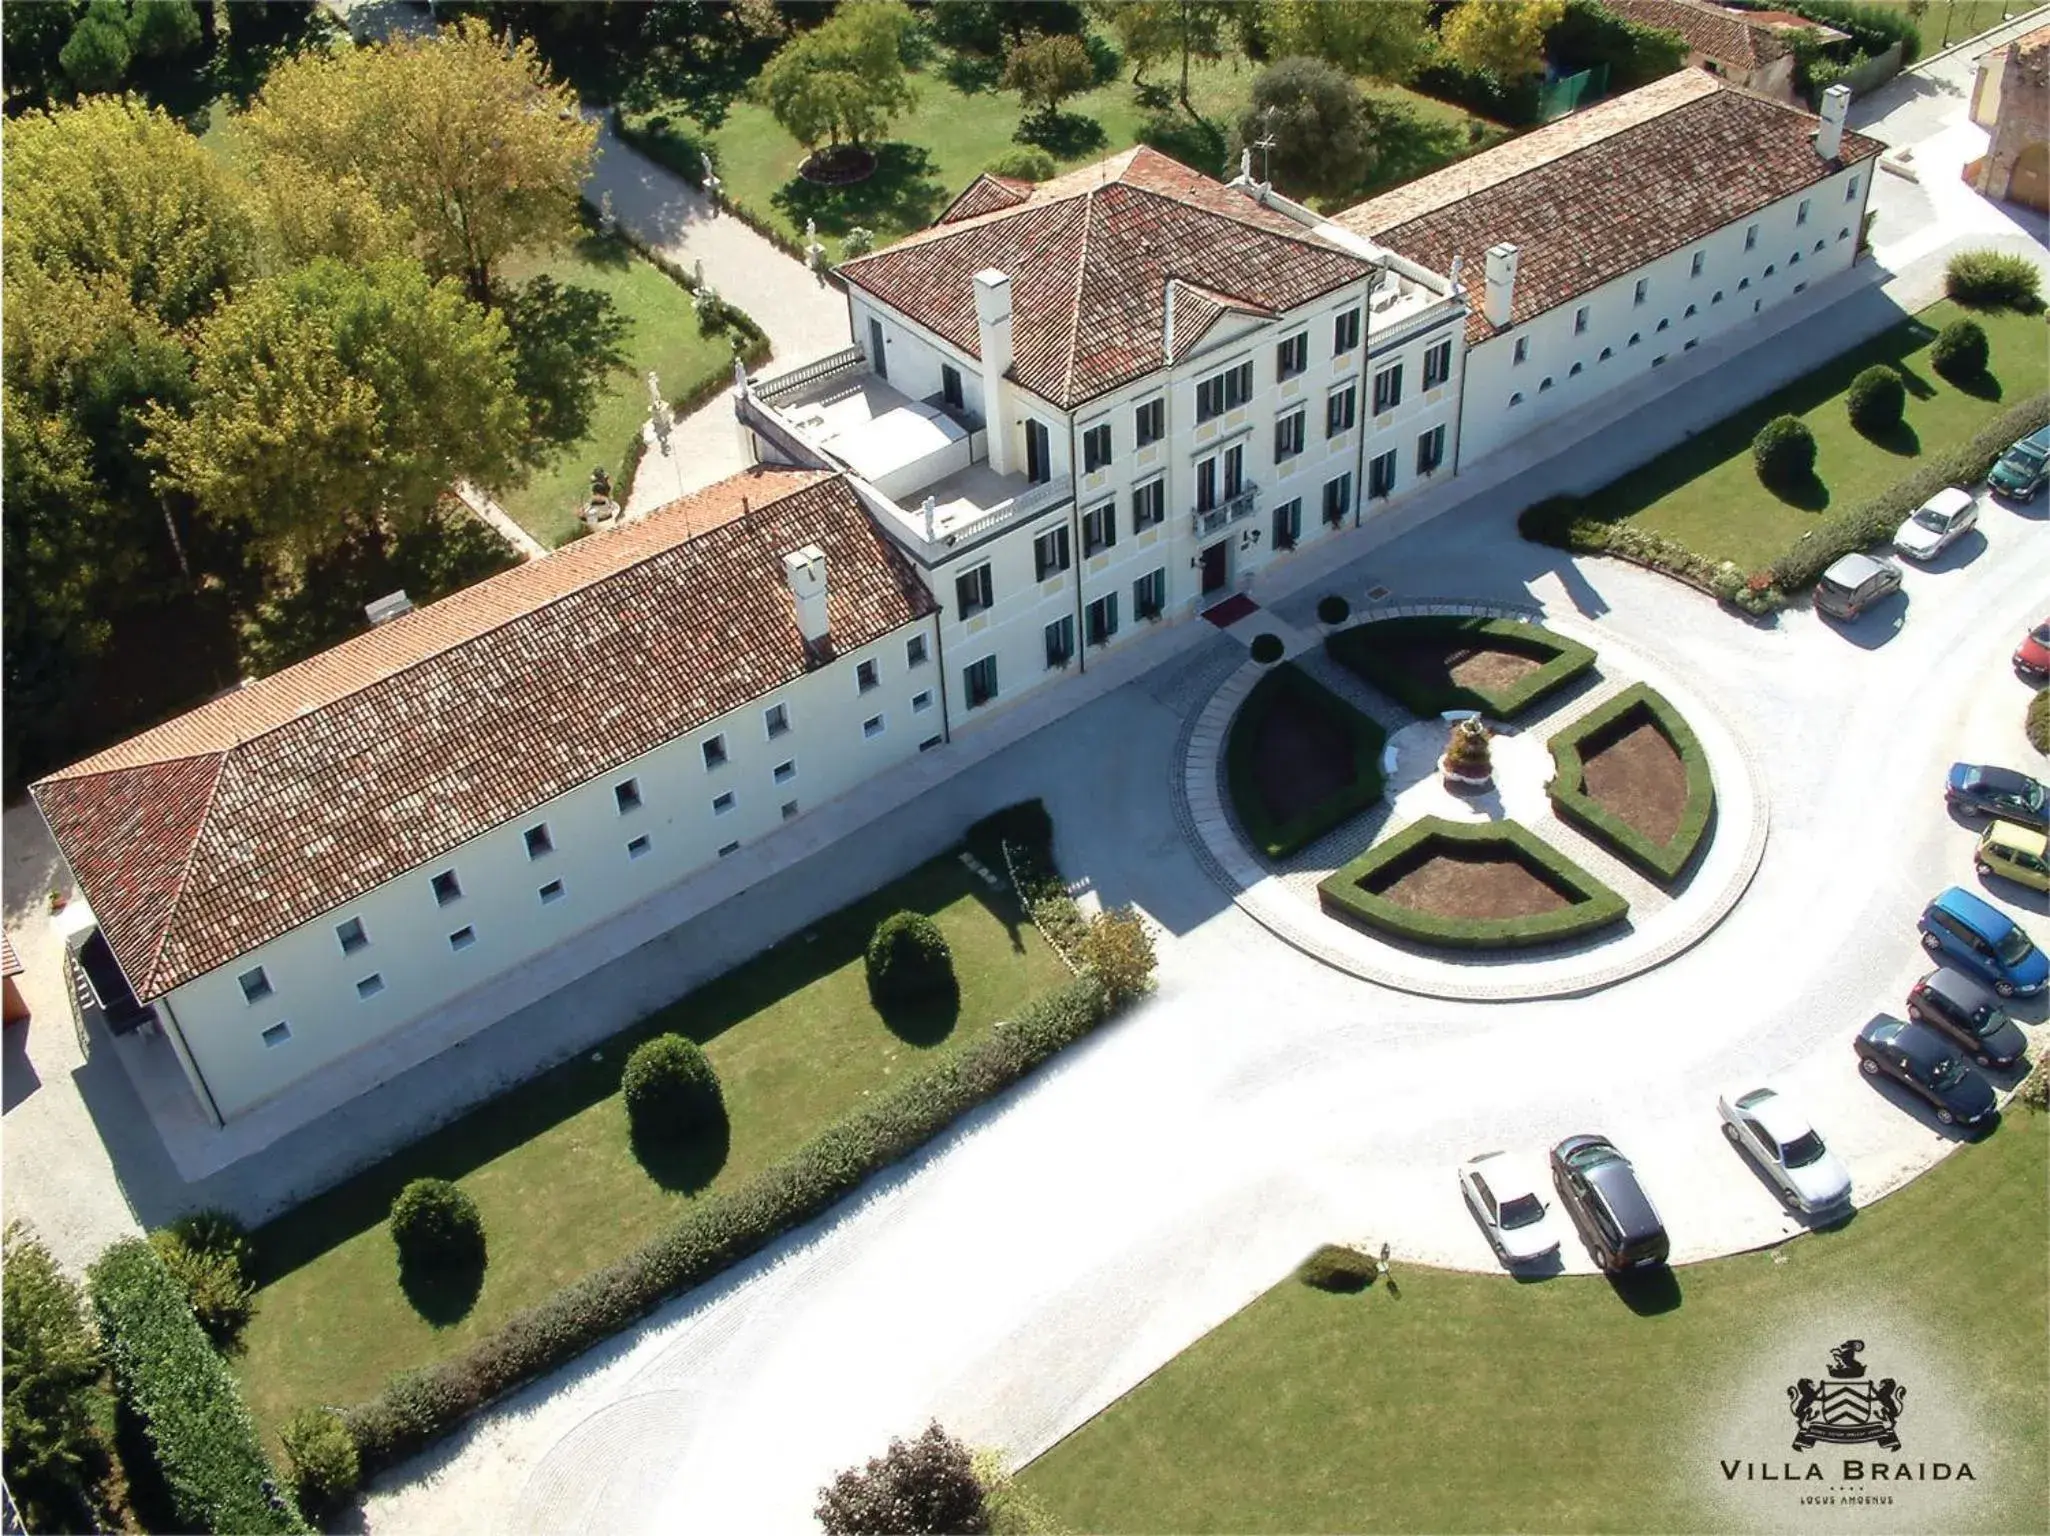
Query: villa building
[{"x": 1071, "y": 411}]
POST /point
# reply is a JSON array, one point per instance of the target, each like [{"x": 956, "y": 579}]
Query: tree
[
  {"x": 160, "y": 29},
  {"x": 1387, "y": 39},
  {"x": 1117, "y": 951},
  {"x": 843, "y": 80},
  {"x": 1504, "y": 39},
  {"x": 479, "y": 146},
  {"x": 97, "y": 53},
  {"x": 32, "y": 37},
  {"x": 565, "y": 340},
  {"x": 1145, "y": 29},
  {"x": 1045, "y": 70},
  {"x": 51, "y": 1366},
  {"x": 331, "y": 397},
  {"x": 1323, "y": 135},
  {"x": 924, "y": 1485}
]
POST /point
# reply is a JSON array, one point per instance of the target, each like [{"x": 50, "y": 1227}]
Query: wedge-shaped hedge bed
[
  {"x": 1279, "y": 839},
  {"x": 186, "y": 1399},
  {"x": 1351, "y": 892},
  {"x": 1633, "y": 707},
  {"x": 1367, "y": 650}
]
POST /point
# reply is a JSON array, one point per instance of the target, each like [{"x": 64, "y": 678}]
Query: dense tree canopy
[
  {"x": 52, "y": 1362},
  {"x": 1045, "y": 69},
  {"x": 843, "y": 80},
  {"x": 1386, "y": 39},
  {"x": 1501, "y": 38},
  {"x": 1322, "y": 131}
]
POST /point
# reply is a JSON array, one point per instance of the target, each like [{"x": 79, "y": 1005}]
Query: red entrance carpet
[{"x": 1231, "y": 610}]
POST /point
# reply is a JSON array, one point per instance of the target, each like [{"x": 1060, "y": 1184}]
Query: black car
[
  {"x": 1614, "y": 1215},
  {"x": 1981, "y": 791},
  {"x": 1957, "y": 1006},
  {"x": 1916, "y": 1056}
]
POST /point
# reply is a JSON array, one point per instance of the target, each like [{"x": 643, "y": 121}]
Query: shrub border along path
[
  {"x": 1592, "y": 907},
  {"x": 1662, "y": 863},
  {"x": 1280, "y": 839},
  {"x": 1562, "y": 661}
]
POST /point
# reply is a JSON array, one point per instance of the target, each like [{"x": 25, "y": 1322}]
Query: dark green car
[{"x": 2024, "y": 468}]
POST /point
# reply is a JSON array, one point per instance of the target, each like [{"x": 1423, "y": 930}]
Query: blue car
[{"x": 1985, "y": 941}]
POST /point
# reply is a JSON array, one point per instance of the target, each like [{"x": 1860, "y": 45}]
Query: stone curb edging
[{"x": 1260, "y": 894}]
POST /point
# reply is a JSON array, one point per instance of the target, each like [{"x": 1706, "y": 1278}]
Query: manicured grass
[
  {"x": 1706, "y": 494},
  {"x": 1359, "y": 738},
  {"x": 796, "y": 1045},
  {"x": 1475, "y": 1403},
  {"x": 962, "y": 123},
  {"x": 1962, "y": 20},
  {"x": 1661, "y": 862},
  {"x": 664, "y": 336}
]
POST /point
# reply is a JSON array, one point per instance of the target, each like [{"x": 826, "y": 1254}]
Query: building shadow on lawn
[
  {"x": 1648, "y": 1292},
  {"x": 444, "y": 1294},
  {"x": 685, "y": 1164},
  {"x": 902, "y": 193}
]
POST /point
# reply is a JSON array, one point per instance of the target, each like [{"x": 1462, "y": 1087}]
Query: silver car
[
  {"x": 1503, "y": 1195},
  {"x": 1937, "y": 524},
  {"x": 1770, "y": 1129}
]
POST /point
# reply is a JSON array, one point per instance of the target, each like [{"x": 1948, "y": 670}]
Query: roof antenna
[{"x": 1266, "y": 143}]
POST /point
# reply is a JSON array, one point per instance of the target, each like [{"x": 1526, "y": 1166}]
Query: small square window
[
  {"x": 914, "y": 651},
  {"x": 733, "y": 847},
  {"x": 785, "y": 772},
  {"x": 627, "y": 795},
  {"x": 715, "y": 752},
  {"x": 539, "y": 843},
  {"x": 921, "y": 702},
  {"x": 462, "y": 938},
  {"x": 551, "y": 893},
  {"x": 872, "y": 726},
  {"x": 370, "y": 986},
  {"x": 789, "y": 810},
  {"x": 930, "y": 742},
  {"x": 255, "y": 985},
  {"x": 277, "y": 1034},
  {"x": 721, "y": 804},
  {"x": 350, "y": 933},
  {"x": 447, "y": 888},
  {"x": 866, "y": 677},
  {"x": 640, "y": 847}
]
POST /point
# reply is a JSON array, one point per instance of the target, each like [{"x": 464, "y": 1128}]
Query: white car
[
  {"x": 1937, "y": 524},
  {"x": 1504, "y": 1195},
  {"x": 1769, "y": 1128}
]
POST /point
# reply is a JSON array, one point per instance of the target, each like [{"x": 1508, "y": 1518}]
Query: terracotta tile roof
[
  {"x": 986, "y": 194},
  {"x": 1089, "y": 255},
  {"x": 1730, "y": 39},
  {"x": 1597, "y": 195},
  {"x": 208, "y": 835}
]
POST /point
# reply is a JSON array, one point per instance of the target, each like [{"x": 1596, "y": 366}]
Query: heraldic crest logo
[{"x": 1845, "y": 1408}]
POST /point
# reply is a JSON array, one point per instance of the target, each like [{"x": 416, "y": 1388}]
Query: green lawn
[
  {"x": 796, "y": 1045},
  {"x": 1706, "y": 494},
  {"x": 664, "y": 336},
  {"x": 1960, "y": 20},
  {"x": 962, "y": 123},
  {"x": 1475, "y": 1403}
]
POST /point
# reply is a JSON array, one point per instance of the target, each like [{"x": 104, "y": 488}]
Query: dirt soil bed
[
  {"x": 1447, "y": 660},
  {"x": 1480, "y": 887},
  {"x": 1302, "y": 758},
  {"x": 1639, "y": 777}
]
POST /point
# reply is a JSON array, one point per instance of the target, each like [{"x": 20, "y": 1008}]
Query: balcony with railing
[{"x": 1238, "y": 506}]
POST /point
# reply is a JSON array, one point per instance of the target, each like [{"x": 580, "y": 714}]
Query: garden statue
[
  {"x": 608, "y": 221},
  {"x": 601, "y": 484},
  {"x": 1466, "y": 766}
]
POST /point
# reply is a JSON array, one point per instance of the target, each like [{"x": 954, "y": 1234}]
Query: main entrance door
[{"x": 1215, "y": 559}]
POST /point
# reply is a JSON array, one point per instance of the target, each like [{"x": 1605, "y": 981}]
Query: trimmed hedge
[
  {"x": 718, "y": 1231},
  {"x": 1783, "y": 452},
  {"x": 1266, "y": 649},
  {"x": 322, "y": 1455},
  {"x": 908, "y": 961},
  {"x": 1280, "y": 839},
  {"x": 1332, "y": 608},
  {"x": 670, "y": 1090},
  {"x": 1993, "y": 280},
  {"x": 435, "y": 1224},
  {"x": 198, "y": 1429},
  {"x": 1876, "y": 400},
  {"x": 1594, "y": 906},
  {"x": 1335, "y": 1267},
  {"x": 1660, "y": 862},
  {"x": 2036, "y": 722},
  {"x": 1563, "y": 661},
  {"x": 1960, "y": 352}
]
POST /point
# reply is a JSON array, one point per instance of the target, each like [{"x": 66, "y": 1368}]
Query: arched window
[
  {"x": 1607, "y": 353},
  {"x": 1794, "y": 260},
  {"x": 1664, "y": 324},
  {"x": 1546, "y": 384},
  {"x": 1770, "y": 269},
  {"x": 1574, "y": 371},
  {"x": 1692, "y": 311},
  {"x": 1818, "y": 246},
  {"x": 1517, "y": 398},
  {"x": 1692, "y": 343},
  {"x": 1717, "y": 299},
  {"x": 1746, "y": 283},
  {"x": 1636, "y": 337}
]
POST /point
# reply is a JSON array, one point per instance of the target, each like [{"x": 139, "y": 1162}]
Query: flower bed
[
  {"x": 1435, "y": 663},
  {"x": 1665, "y": 858},
  {"x": 1359, "y": 891},
  {"x": 1299, "y": 761}
]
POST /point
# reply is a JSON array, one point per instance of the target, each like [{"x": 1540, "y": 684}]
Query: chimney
[
  {"x": 805, "y": 570},
  {"x": 993, "y": 334},
  {"x": 1167, "y": 327},
  {"x": 394, "y": 606},
  {"x": 1500, "y": 282},
  {"x": 1829, "y": 138}
]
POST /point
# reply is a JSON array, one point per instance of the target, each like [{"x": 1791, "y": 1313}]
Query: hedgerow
[
  {"x": 1359, "y": 650},
  {"x": 1279, "y": 839},
  {"x": 1662, "y": 862}
]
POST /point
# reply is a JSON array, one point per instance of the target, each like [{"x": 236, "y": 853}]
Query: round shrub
[
  {"x": 908, "y": 961},
  {"x": 1333, "y": 609},
  {"x": 1876, "y": 400},
  {"x": 436, "y": 1225},
  {"x": 322, "y": 1456},
  {"x": 670, "y": 1088},
  {"x": 1960, "y": 351},
  {"x": 1336, "y": 1268},
  {"x": 1992, "y": 279},
  {"x": 1267, "y": 649},
  {"x": 857, "y": 242},
  {"x": 1784, "y": 452},
  {"x": 1024, "y": 164}
]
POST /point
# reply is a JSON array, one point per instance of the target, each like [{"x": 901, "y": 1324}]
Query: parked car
[
  {"x": 1918, "y": 1057},
  {"x": 2032, "y": 656},
  {"x": 1770, "y": 1129},
  {"x": 1614, "y": 1215},
  {"x": 1854, "y": 584},
  {"x": 1978, "y": 790},
  {"x": 1503, "y": 1194},
  {"x": 1984, "y": 941},
  {"x": 2024, "y": 469},
  {"x": 1937, "y": 524},
  {"x": 1950, "y": 1002},
  {"x": 2014, "y": 853}
]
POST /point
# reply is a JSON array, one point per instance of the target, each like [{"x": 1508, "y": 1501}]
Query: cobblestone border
[{"x": 1741, "y": 823}]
